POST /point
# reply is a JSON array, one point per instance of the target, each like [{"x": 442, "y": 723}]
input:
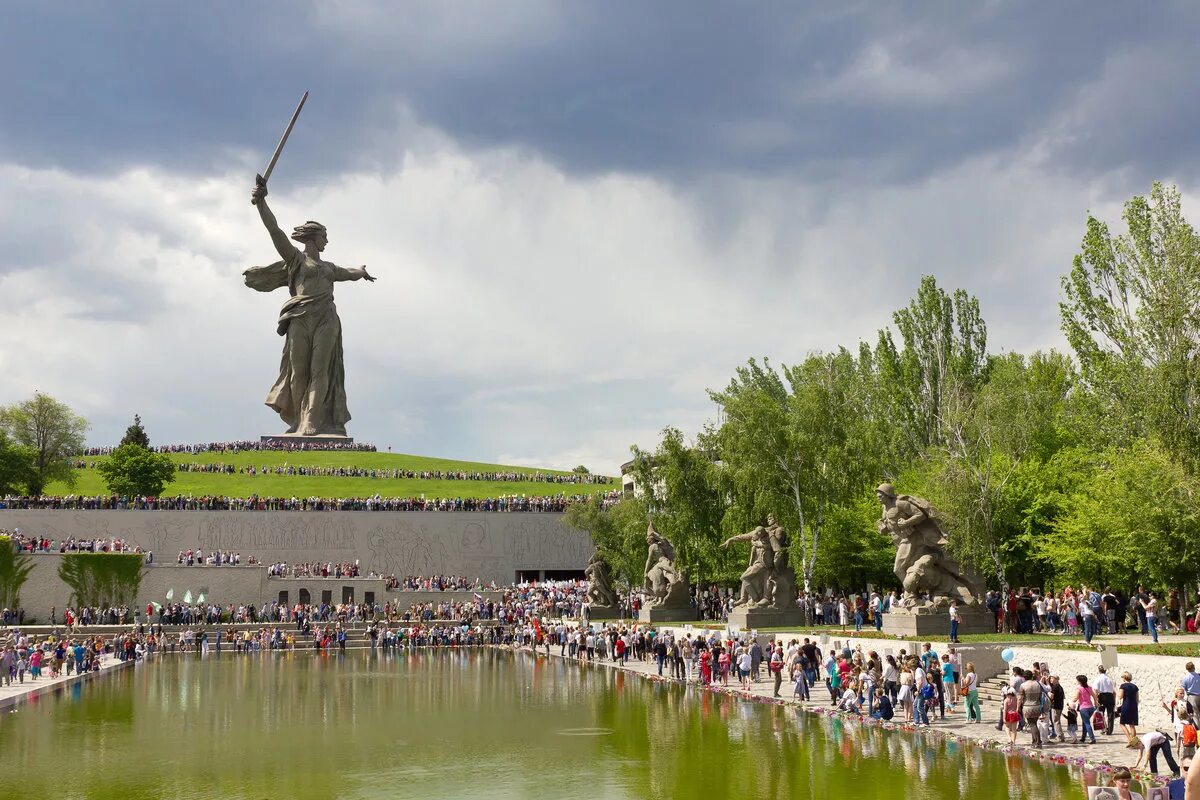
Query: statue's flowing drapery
[{"x": 310, "y": 393}]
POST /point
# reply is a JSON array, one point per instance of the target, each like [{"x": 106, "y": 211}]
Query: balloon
[{"x": 1008, "y": 655}]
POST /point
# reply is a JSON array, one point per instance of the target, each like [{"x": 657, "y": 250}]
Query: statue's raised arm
[{"x": 258, "y": 196}]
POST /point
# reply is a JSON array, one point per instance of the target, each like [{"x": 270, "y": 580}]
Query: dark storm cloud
[{"x": 669, "y": 88}]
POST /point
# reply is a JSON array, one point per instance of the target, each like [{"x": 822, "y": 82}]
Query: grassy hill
[{"x": 243, "y": 485}]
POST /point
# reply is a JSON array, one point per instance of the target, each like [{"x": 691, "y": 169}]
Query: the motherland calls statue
[
  {"x": 923, "y": 564},
  {"x": 769, "y": 580},
  {"x": 600, "y": 590},
  {"x": 310, "y": 393},
  {"x": 665, "y": 584}
]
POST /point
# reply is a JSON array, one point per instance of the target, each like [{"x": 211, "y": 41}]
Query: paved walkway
[
  {"x": 20, "y": 692},
  {"x": 1109, "y": 750}
]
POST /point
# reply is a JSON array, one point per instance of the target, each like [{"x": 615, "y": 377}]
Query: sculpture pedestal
[
  {"x": 287, "y": 440},
  {"x": 600, "y": 613},
  {"x": 758, "y": 618},
  {"x": 909, "y": 625},
  {"x": 652, "y": 615}
]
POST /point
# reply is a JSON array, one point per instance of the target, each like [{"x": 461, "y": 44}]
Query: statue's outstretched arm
[
  {"x": 351, "y": 274},
  {"x": 741, "y": 537}
]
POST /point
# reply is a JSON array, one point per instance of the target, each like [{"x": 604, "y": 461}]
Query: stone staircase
[{"x": 992, "y": 689}]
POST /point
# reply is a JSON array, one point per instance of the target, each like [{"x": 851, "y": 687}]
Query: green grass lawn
[{"x": 90, "y": 481}]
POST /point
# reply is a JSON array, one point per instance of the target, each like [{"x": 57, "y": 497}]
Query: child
[
  {"x": 1073, "y": 724},
  {"x": 22, "y": 665},
  {"x": 1185, "y": 734}
]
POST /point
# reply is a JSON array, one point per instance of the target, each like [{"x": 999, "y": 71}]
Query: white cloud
[{"x": 521, "y": 314}]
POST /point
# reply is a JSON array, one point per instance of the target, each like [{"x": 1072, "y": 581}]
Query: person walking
[
  {"x": 1031, "y": 707},
  {"x": 1150, "y": 608},
  {"x": 1085, "y": 702},
  {"x": 970, "y": 687},
  {"x": 1106, "y": 696},
  {"x": 775, "y": 667},
  {"x": 1057, "y": 703},
  {"x": 1127, "y": 700}
]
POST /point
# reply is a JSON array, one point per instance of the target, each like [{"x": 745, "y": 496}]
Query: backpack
[{"x": 1188, "y": 735}]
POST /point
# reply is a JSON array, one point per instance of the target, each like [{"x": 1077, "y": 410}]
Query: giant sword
[{"x": 262, "y": 179}]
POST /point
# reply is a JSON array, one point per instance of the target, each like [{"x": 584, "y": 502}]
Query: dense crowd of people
[
  {"x": 245, "y": 446},
  {"x": 376, "y": 473},
  {"x": 503, "y": 504}
]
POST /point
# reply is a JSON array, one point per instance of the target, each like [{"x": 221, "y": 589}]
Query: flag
[{"x": 478, "y": 597}]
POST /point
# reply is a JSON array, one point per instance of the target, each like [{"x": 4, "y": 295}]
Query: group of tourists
[
  {"x": 245, "y": 446},
  {"x": 71, "y": 544},
  {"x": 503, "y": 504},
  {"x": 23, "y": 656},
  {"x": 216, "y": 558},
  {"x": 1092, "y": 611},
  {"x": 441, "y": 583},
  {"x": 315, "y": 569}
]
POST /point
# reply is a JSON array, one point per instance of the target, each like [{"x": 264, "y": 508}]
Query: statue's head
[
  {"x": 651, "y": 534},
  {"x": 311, "y": 231},
  {"x": 885, "y": 491},
  {"x": 770, "y": 520}
]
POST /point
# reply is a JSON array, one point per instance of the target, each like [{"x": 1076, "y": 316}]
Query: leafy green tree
[
  {"x": 136, "y": 434},
  {"x": 14, "y": 571},
  {"x": 1010, "y": 419},
  {"x": 1131, "y": 313},
  {"x": 799, "y": 443},
  {"x": 582, "y": 470},
  {"x": 618, "y": 532},
  {"x": 52, "y": 431},
  {"x": 16, "y": 466},
  {"x": 682, "y": 483},
  {"x": 133, "y": 471},
  {"x": 944, "y": 356},
  {"x": 1134, "y": 520},
  {"x": 102, "y": 578}
]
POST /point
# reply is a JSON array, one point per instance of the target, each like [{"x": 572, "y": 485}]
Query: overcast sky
[{"x": 581, "y": 215}]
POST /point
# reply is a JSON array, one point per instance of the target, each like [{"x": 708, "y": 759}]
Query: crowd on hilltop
[
  {"x": 244, "y": 446},
  {"x": 376, "y": 473},
  {"x": 503, "y": 504}
]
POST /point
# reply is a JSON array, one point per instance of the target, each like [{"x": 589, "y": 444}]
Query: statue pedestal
[
  {"x": 758, "y": 618},
  {"x": 601, "y": 613},
  {"x": 288, "y": 440},
  {"x": 915, "y": 625},
  {"x": 652, "y": 615}
]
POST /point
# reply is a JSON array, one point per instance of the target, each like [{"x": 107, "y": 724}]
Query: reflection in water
[{"x": 465, "y": 724}]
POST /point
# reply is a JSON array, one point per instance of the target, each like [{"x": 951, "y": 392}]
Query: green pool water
[{"x": 482, "y": 723}]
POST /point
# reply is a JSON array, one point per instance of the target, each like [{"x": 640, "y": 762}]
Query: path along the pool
[
  {"x": 1109, "y": 751},
  {"x": 13, "y": 695}
]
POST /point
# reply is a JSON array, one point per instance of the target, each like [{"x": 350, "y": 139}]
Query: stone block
[
  {"x": 653, "y": 615},
  {"x": 920, "y": 626},
  {"x": 758, "y": 618}
]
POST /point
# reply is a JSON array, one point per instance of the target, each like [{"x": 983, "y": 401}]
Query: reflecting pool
[{"x": 479, "y": 723}]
